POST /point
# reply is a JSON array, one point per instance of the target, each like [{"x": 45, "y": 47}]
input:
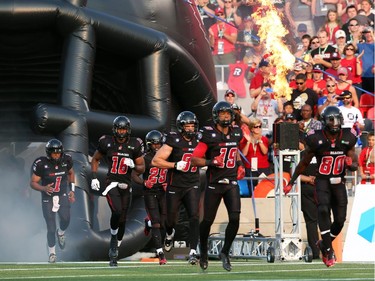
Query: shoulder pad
[{"x": 209, "y": 128}]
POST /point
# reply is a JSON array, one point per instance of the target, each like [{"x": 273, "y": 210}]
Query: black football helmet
[
  {"x": 332, "y": 119},
  {"x": 153, "y": 137},
  {"x": 220, "y": 107},
  {"x": 54, "y": 146},
  {"x": 184, "y": 118},
  {"x": 121, "y": 122}
]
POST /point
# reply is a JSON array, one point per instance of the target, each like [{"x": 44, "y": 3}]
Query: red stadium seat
[
  {"x": 371, "y": 115},
  {"x": 365, "y": 103}
]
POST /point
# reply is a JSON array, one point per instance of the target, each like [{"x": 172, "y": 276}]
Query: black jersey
[
  {"x": 156, "y": 175},
  {"x": 182, "y": 151},
  {"x": 331, "y": 155},
  {"x": 116, "y": 153},
  {"x": 50, "y": 172},
  {"x": 225, "y": 145}
]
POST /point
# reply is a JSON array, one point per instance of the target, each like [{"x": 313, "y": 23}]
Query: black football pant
[
  {"x": 310, "y": 213},
  {"x": 119, "y": 201},
  {"x": 50, "y": 217},
  {"x": 212, "y": 198},
  {"x": 157, "y": 211},
  {"x": 189, "y": 197},
  {"x": 331, "y": 197}
]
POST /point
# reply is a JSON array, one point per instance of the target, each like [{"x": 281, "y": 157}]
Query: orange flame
[{"x": 271, "y": 33}]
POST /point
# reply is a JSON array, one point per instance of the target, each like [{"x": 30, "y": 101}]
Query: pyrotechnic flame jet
[{"x": 271, "y": 33}]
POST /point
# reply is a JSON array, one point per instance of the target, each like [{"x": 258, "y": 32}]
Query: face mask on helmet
[
  {"x": 54, "y": 146},
  {"x": 186, "y": 118},
  {"x": 332, "y": 119},
  {"x": 222, "y": 107},
  {"x": 153, "y": 138},
  {"x": 121, "y": 123}
]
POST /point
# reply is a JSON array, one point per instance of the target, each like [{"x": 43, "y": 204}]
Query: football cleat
[
  {"x": 113, "y": 262},
  {"x": 331, "y": 259},
  {"x": 162, "y": 259},
  {"x": 226, "y": 262},
  {"x": 113, "y": 249},
  {"x": 168, "y": 242},
  {"x": 60, "y": 240},
  {"x": 52, "y": 258},
  {"x": 193, "y": 260},
  {"x": 320, "y": 246},
  {"x": 203, "y": 261}
]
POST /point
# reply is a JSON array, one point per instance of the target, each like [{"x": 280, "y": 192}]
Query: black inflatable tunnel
[{"x": 68, "y": 68}]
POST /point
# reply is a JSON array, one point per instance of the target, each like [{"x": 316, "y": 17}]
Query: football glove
[
  {"x": 288, "y": 188},
  {"x": 148, "y": 184},
  {"x": 129, "y": 162},
  {"x": 240, "y": 172},
  {"x": 218, "y": 161},
  {"x": 180, "y": 165},
  {"x": 95, "y": 184}
]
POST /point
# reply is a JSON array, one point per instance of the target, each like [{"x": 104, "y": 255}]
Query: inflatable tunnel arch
[{"x": 70, "y": 67}]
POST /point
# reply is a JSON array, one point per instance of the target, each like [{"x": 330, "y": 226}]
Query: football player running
[
  {"x": 53, "y": 176},
  {"x": 154, "y": 182},
  {"x": 183, "y": 179},
  {"x": 218, "y": 149},
  {"x": 123, "y": 154},
  {"x": 334, "y": 150}
]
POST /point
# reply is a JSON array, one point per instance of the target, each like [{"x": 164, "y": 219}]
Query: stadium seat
[
  {"x": 366, "y": 101},
  {"x": 371, "y": 115}
]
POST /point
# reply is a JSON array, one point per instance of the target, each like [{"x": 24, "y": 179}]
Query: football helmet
[
  {"x": 121, "y": 122},
  {"x": 153, "y": 137},
  {"x": 184, "y": 118},
  {"x": 54, "y": 146},
  {"x": 332, "y": 119},
  {"x": 222, "y": 106}
]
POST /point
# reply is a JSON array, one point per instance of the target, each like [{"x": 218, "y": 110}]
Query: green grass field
[{"x": 180, "y": 271}]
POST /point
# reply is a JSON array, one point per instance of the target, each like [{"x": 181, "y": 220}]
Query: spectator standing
[
  {"x": 302, "y": 95},
  {"x": 350, "y": 12},
  {"x": 222, "y": 37},
  {"x": 123, "y": 154},
  {"x": 331, "y": 73},
  {"x": 246, "y": 39},
  {"x": 352, "y": 115},
  {"x": 332, "y": 24},
  {"x": 230, "y": 96},
  {"x": 255, "y": 148},
  {"x": 262, "y": 76},
  {"x": 266, "y": 108},
  {"x": 367, "y": 6},
  {"x": 207, "y": 11},
  {"x": 319, "y": 11},
  {"x": 344, "y": 5},
  {"x": 319, "y": 85},
  {"x": 368, "y": 59},
  {"x": 340, "y": 41},
  {"x": 231, "y": 13},
  {"x": 322, "y": 55},
  {"x": 367, "y": 161},
  {"x": 218, "y": 149},
  {"x": 53, "y": 176},
  {"x": 183, "y": 179},
  {"x": 343, "y": 84},
  {"x": 308, "y": 123},
  {"x": 154, "y": 182},
  {"x": 355, "y": 34},
  {"x": 330, "y": 98},
  {"x": 354, "y": 65}
]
